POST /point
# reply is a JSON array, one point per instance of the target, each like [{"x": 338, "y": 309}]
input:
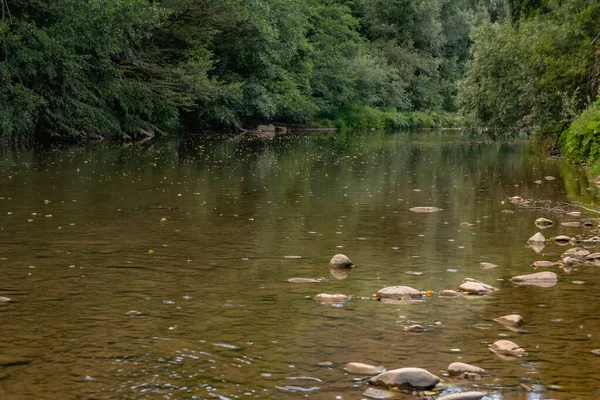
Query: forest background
[{"x": 71, "y": 68}]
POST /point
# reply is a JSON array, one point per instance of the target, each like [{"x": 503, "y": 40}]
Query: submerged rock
[
  {"x": 511, "y": 319},
  {"x": 363, "y": 369},
  {"x": 380, "y": 394},
  {"x": 457, "y": 368},
  {"x": 303, "y": 280},
  {"x": 133, "y": 313},
  {"x": 507, "y": 348},
  {"x": 464, "y": 396},
  {"x": 415, "y": 328},
  {"x": 399, "y": 293},
  {"x": 574, "y": 224},
  {"x": 542, "y": 279},
  {"x": 537, "y": 238},
  {"x": 475, "y": 287},
  {"x": 487, "y": 265},
  {"x": 543, "y": 264},
  {"x": 341, "y": 261},
  {"x": 449, "y": 293},
  {"x": 331, "y": 298},
  {"x": 425, "y": 209},
  {"x": 339, "y": 273},
  {"x": 406, "y": 378}
]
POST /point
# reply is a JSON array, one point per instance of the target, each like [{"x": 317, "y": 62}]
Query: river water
[{"x": 200, "y": 237}]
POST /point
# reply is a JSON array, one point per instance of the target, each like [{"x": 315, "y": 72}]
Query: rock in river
[
  {"x": 415, "y": 328},
  {"x": 4, "y": 299},
  {"x": 399, "y": 293},
  {"x": 538, "y": 238},
  {"x": 543, "y": 222},
  {"x": 487, "y": 265},
  {"x": 331, "y": 298},
  {"x": 562, "y": 239},
  {"x": 449, "y": 293},
  {"x": 464, "y": 396},
  {"x": 406, "y": 378},
  {"x": 542, "y": 279},
  {"x": 507, "y": 348},
  {"x": 340, "y": 261},
  {"x": 303, "y": 280},
  {"x": 457, "y": 368},
  {"x": 512, "y": 320},
  {"x": 363, "y": 369},
  {"x": 425, "y": 209},
  {"x": 575, "y": 252},
  {"x": 543, "y": 264},
  {"x": 475, "y": 287}
]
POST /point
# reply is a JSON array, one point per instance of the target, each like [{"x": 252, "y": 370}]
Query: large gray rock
[
  {"x": 331, "y": 298},
  {"x": 512, "y": 320},
  {"x": 475, "y": 287},
  {"x": 340, "y": 261},
  {"x": 457, "y": 368},
  {"x": 399, "y": 293},
  {"x": 507, "y": 348},
  {"x": 464, "y": 396},
  {"x": 542, "y": 279},
  {"x": 363, "y": 369},
  {"x": 406, "y": 378}
]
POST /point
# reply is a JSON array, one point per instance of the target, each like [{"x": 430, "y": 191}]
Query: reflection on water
[{"x": 200, "y": 237}]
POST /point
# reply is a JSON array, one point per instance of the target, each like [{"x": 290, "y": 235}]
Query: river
[{"x": 201, "y": 235}]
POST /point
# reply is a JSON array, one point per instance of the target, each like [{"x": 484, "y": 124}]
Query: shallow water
[{"x": 198, "y": 236}]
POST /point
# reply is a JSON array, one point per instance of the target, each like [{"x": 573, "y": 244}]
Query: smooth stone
[
  {"x": 415, "y": 273},
  {"x": 457, "y": 368},
  {"x": 363, "y": 369},
  {"x": 549, "y": 178},
  {"x": 538, "y": 182},
  {"x": 133, "y": 313},
  {"x": 574, "y": 213},
  {"x": 464, "y": 396},
  {"x": 487, "y": 265},
  {"x": 511, "y": 319},
  {"x": 507, "y": 348},
  {"x": 341, "y": 261},
  {"x": 593, "y": 256},
  {"x": 543, "y": 264},
  {"x": 465, "y": 224},
  {"x": 537, "y": 238},
  {"x": 578, "y": 282},
  {"x": 575, "y": 224},
  {"x": 562, "y": 238},
  {"x": 303, "y": 280},
  {"x": 449, "y": 293},
  {"x": 596, "y": 352},
  {"x": 592, "y": 241},
  {"x": 508, "y": 211},
  {"x": 543, "y": 222},
  {"x": 575, "y": 252},
  {"x": 472, "y": 286},
  {"x": 406, "y": 378},
  {"x": 4, "y": 299},
  {"x": 542, "y": 279},
  {"x": 399, "y": 292},
  {"x": 415, "y": 328},
  {"x": 425, "y": 209},
  {"x": 331, "y": 298}
]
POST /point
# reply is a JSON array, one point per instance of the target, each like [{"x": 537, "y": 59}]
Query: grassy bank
[{"x": 365, "y": 117}]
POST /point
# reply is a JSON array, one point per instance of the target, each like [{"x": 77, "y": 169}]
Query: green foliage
[
  {"x": 537, "y": 74},
  {"x": 581, "y": 141}
]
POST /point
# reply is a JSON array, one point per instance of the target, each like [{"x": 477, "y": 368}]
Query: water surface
[{"x": 200, "y": 236}]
